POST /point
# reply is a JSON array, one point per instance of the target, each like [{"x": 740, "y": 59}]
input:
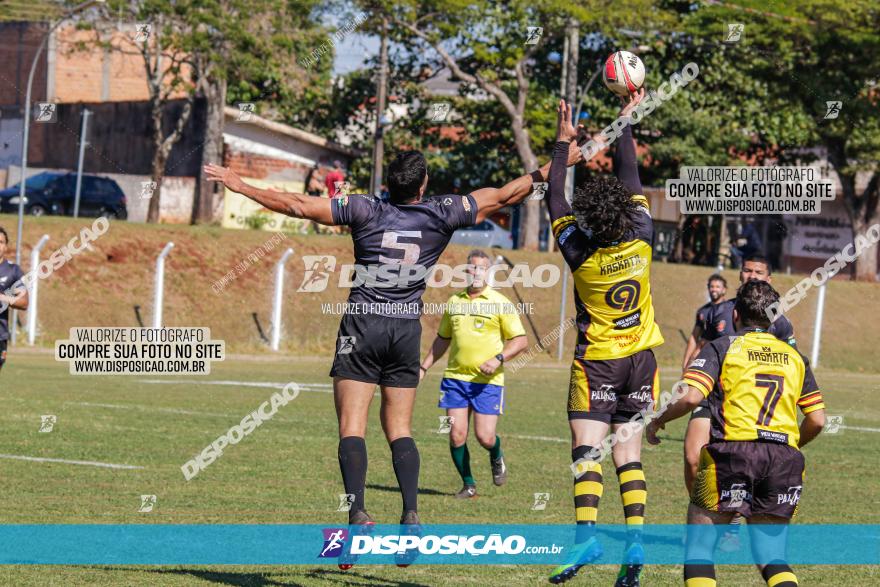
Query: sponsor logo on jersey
[
  {"x": 604, "y": 393},
  {"x": 698, "y": 363},
  {"x": 780, "y": 437},
  {"x": 766, "y": 355},
  {"x": 737, "y": 494},
  {"x": 792, "y": 497},
  {"x": 643, "y": 395},
  {"x": 566, "y": 233},
  {"x": 620, "y": 263},
  {"x": 628, "y": 321}
]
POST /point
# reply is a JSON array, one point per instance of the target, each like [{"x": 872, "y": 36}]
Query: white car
[{"x": 485, "y": 234}]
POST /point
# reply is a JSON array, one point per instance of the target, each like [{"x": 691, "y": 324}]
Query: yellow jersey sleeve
[
  {"x": 445, "y": 330},
  {"x": 511, "y": 325}
]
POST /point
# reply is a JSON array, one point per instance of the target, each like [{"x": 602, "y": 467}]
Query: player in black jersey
[
  {"x": 717, "y": 288},
  {"x": 397, "y": 241},
  {"x": 13, "y": 294}
]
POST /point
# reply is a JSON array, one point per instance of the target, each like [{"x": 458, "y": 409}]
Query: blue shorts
[{"x": 484, "y": 398}]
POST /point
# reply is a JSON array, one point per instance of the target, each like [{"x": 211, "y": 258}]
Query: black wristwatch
[{"x": 500, "y": 357}]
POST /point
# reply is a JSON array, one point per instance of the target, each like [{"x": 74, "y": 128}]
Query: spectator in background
[
  {"x": 334, "y": 178},
  {"x": 748, "y": 243},
  {"x": 312, "y": 183}
]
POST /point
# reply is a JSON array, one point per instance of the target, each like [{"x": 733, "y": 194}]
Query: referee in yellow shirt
[{"x": 483, "y": 330}]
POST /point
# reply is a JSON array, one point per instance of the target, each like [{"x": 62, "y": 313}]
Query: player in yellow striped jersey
[
  {"x": 606, "y": 237},
  {"x": 752, "y": 465}
]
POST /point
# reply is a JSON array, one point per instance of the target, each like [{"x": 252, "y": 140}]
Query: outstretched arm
[
  {"x": 290, "y": 204},
  {"x": 17, "y": 299},
  {"x": 566, "y": 139},
  {"x": 626, "y": 166},
  {"x": 490, "y": 200}
]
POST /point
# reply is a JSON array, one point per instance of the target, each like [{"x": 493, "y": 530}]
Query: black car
[{"x": 53, "y": 193}]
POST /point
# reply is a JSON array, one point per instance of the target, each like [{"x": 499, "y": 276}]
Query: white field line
[
  {"x": 149, "y": 409},
  {"x": 69, "y": 462},
  {"x": 544, "y": 438},
  {"x": 859, "y": 428},
  {"x": 318, "y": 387},
  {"x": 315, "y": 387}
]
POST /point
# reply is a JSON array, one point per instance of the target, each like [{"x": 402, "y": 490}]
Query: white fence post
[
  {"x": 159, "y": 291},
  {"x": 32, "y": 295},
  {"x": 817, "y": 327},
  {"x": 276, "y": 301}
]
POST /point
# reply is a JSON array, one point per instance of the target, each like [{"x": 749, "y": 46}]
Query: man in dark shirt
[
  {"x": 397, "y": 241},
  {"x": 719, "y": 323},
  {"x": 717, "y": 287},
  {"x": 12, "y": 293}
]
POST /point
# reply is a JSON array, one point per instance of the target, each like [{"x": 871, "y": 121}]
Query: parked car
[
  {"x": 485, "y": 234},
  {"x": 51, "y": 192}
]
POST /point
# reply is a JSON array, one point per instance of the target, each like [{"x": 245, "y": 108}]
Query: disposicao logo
[{"x": 334, "y": 541}]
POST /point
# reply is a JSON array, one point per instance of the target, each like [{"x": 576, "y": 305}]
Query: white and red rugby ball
[{"x": 624, "y": 73}]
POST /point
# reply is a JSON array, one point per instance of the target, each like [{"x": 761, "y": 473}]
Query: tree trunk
[
  {"x": 530, "y": 212},
  {"x": 866, "y": 263},
  {"x": 205, "y": 201},
  {"x": 861, "y": 208},
  {"x": 158, "y": 166}
]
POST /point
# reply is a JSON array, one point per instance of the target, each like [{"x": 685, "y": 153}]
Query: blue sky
[{"x": 353, "y": 51}]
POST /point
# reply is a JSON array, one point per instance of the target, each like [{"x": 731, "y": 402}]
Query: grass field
[
  {"x": 103, "y": 285},
  {"x": 286, "y": 470}
]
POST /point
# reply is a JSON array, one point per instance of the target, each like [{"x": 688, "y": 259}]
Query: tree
[
  {"x": 170, "y": 72},
  {"x": 195, "y": 49},
  {"x": 772, "y": 88},
  {"x": 495, "y": 49},
  {"x": 253, "y": 44}
]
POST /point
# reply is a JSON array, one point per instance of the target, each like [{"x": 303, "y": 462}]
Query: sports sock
[
  {"x": 699, "y": 573},
  {"x": 405, "y": 458},
  {"x": 461, "y": 457},
  {"x": 495, "y": 451},
  {"x": 633, "y": 494},
  {"x": 779, "y": 574},
  {"x": 587, "y": 492},
  {"x": 353, "y": 464}
]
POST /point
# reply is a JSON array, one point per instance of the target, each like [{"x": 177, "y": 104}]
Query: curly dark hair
[
  {"x": 603, "y": 207},
  {"x": 752, "y": 300}
]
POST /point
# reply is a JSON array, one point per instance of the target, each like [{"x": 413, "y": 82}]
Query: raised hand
[
  {"x": 630, "y": 104},
  {"x": 565, "y": 131},
  {"x": 225, "y": 175}
]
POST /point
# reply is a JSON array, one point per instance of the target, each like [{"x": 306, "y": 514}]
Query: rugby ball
[{"x": 624, "y": 73}]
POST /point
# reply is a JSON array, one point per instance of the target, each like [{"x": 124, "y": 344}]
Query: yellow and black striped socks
[
  {"x": 779, "y": 574},
  {"x": 699, "y": 573},
  {"x": 633, "y": 494},
  {"x": 587, "y": 491}
]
